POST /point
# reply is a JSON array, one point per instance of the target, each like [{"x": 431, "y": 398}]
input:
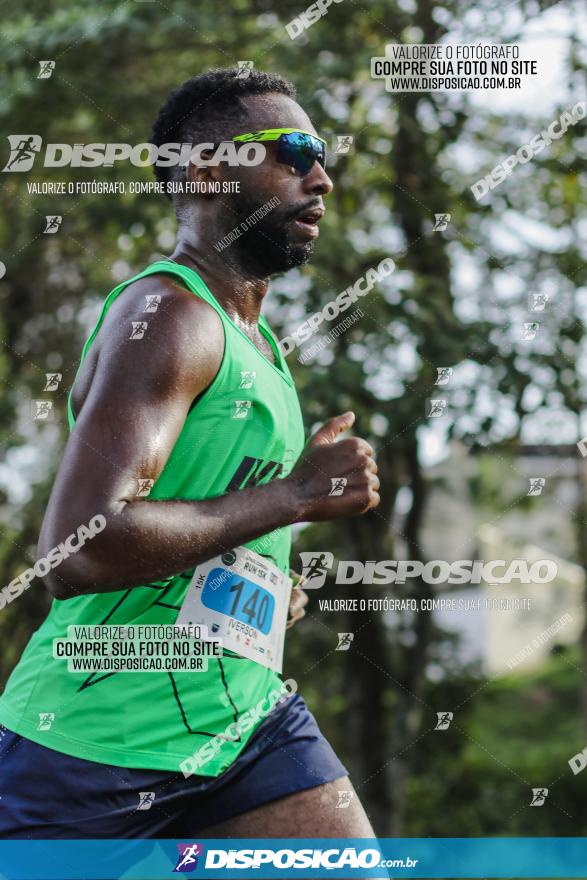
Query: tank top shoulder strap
[
  {"x": 189, "y": 276},
  {"x": 191, "y": 280}
]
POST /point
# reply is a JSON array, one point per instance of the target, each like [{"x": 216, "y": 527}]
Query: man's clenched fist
[{"x": 335, "y": 478}]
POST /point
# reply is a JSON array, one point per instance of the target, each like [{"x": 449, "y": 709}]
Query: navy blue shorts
[{"x": 45, "y": 794}]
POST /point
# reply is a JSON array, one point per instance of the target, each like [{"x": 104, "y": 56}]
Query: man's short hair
[{"x": 207, "y": 108}]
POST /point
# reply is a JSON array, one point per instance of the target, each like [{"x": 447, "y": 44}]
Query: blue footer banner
[{"x": 303, "y": 858}]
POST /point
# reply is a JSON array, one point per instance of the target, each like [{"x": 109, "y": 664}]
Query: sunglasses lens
[{"x": 301, "y": 151}]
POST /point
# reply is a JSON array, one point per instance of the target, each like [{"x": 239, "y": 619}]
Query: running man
[{"x": 187, "y": 438}]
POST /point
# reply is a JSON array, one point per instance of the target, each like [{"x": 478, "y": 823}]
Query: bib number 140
[{"x": 239, "y": 598}]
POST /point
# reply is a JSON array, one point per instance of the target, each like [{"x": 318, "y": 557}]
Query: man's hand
[
  {"x": 298, "y": 601},
  {"x": 335, "y": 478}
]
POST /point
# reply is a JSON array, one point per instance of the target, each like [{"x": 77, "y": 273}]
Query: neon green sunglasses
[{"x": 297, "y": 148}]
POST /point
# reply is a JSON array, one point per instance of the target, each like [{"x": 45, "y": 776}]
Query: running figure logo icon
[
  {"x": 23, "y": 149},
  {"x": 53, "y": 380},
  {"x": 46, "y": 719},
  {"x": 146, "y": 800},
  {"x": 314, "y": 569},
  {"x": 42, "y": 410},
  {"x": 46, "y": 68},
  {"x": 441, "y": 222},
  {"x": 344, "y": 641},
  {"x": 152, "y": 302},
  {"x": 338, "y": 484},
  {"x": 444, "y": 719},
  {"x": 436, "y": 407},
  {"x": 244, "y": 69},
  {"x": 345, "y": 797},
  {"x": 138, "y": 329},
  {"x": 539, "y": 795},
  {"x": 343, "y": 144},
  {"x": 145, "y": 487},
  {"x": 188, "y": 857},
  {"x": 444, "y": 374},
  {"x": 242, "y": 408},
  {"x": 538, "y": 302},
  {"x": 537, "y": 484},
  {"x": 52, "y": 223}
]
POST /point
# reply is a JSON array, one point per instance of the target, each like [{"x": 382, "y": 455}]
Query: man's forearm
[{"x": 146, "y": 541}]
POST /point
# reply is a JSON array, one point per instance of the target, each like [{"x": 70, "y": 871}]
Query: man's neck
[{"x": 239, "y": 295}]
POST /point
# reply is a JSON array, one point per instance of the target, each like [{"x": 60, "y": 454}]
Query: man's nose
[{"x": 317, "y": 182}]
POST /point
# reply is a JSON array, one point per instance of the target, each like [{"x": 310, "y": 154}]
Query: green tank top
[{"x": 245, "y": 430}]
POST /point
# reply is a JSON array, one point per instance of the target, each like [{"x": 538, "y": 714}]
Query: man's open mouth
[{"x": 308, "y": 221}]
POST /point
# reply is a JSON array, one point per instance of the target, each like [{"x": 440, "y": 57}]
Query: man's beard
[{"x": 265, "y": 247}]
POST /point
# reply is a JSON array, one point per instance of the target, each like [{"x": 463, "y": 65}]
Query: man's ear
[{"x": 206, "y": 175}]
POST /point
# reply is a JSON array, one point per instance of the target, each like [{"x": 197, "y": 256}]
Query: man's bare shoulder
[
  {"x": 158, "y": 319},
  {"x": 156, "y": 335},
  {"x": 164, "y": 305}
]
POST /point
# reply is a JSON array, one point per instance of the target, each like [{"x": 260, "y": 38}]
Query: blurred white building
[
  {"x": 516, "y": 640},
  {"x": 479, "y": 508}
]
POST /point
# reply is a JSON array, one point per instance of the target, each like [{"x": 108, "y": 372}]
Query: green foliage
[{"x": 506, "y": 738}]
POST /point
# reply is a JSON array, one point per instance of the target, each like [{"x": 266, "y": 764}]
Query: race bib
[{"x": 243, "y": 600}]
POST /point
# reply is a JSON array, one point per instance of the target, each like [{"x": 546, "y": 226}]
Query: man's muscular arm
[{"x": 137, "y": 396}]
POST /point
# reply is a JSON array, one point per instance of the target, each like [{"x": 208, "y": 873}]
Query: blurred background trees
[{"x": 459, "y": 298}]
